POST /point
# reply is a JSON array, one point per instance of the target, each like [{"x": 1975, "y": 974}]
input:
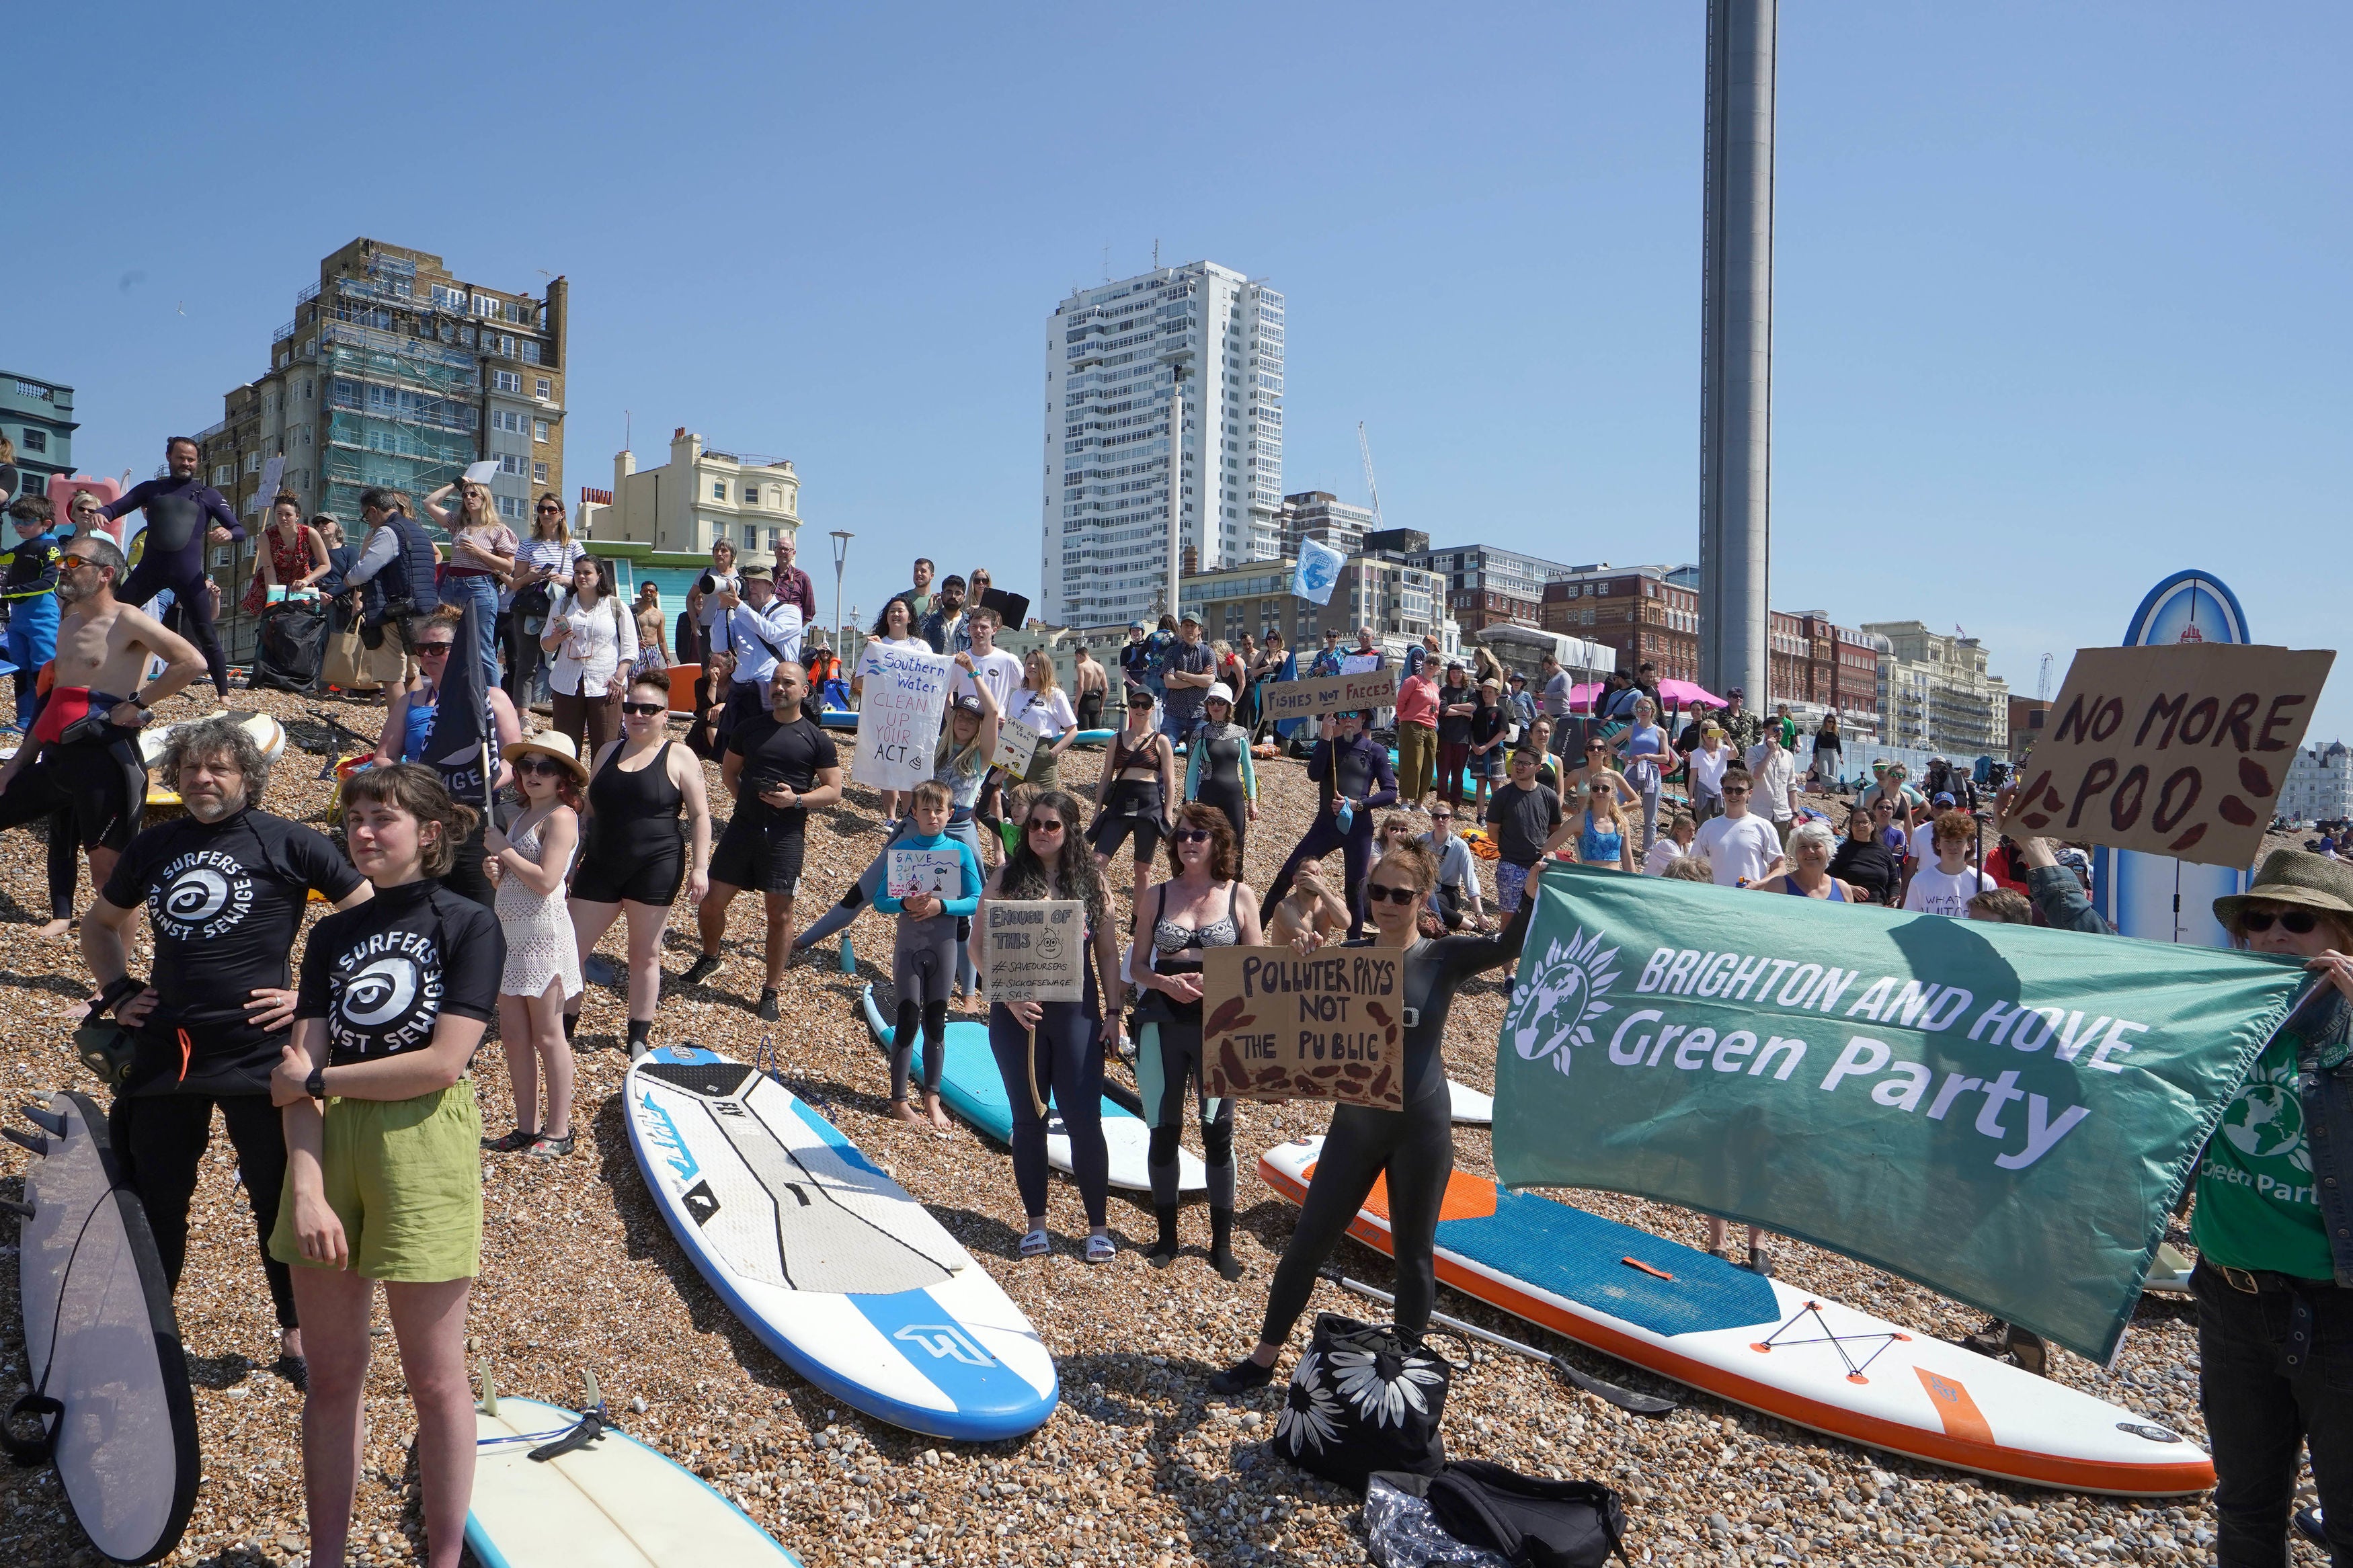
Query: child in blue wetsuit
[{"x": 922, "y": 963}]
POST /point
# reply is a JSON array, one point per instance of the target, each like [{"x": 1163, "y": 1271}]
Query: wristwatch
[{"x": 315, "y": 1086}]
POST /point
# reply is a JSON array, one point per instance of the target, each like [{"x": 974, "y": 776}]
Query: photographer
[{"x": 224, "y": 888}]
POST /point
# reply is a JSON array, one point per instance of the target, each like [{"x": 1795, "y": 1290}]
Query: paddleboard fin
[
  {"x": 596, "y": 1398},
  {"x": 490, "y": 1390},
  {"x": 47, "y": 1121},
  {"x": 33, "y": 1140}
]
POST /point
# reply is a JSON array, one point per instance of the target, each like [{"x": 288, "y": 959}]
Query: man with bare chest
[{"x": 82, "y": 756}]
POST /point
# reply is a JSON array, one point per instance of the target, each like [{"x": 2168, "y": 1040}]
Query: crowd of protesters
[{"x": 355, "y": 1119}]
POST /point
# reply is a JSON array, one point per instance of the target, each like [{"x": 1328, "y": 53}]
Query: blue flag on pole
[{"x": 1319, "y": 571}]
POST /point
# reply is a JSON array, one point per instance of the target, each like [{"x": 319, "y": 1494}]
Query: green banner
[{"x": 2003, "y": 1113}]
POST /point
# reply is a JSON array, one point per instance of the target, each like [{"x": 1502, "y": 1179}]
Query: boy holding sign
[{"x": 922, "y": 963}]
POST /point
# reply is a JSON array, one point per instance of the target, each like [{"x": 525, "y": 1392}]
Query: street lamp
[{"x": 841, "y": 538}]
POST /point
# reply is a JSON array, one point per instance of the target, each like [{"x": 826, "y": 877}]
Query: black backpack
[{"x": 1528, "y": 1522}]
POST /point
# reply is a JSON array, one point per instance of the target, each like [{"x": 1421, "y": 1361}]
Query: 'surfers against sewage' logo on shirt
[
  {"x": 387, "y": 993},
  {"x": 200, "y": 896}
]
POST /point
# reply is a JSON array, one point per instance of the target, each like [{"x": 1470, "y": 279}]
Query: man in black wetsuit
[
  {"x": 223, "y": 889},
  {"x": 1353, "y": 774},
  {"x": 174, "y": 557}
]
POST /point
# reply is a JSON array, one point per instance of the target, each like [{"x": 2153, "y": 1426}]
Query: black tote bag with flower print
[{"x": 1364, "y": 1398}]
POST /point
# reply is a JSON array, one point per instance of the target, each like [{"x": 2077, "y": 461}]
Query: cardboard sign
[
  {"x": 904, "y": 695},
  {"x": 2176, "y": 750},
  {"x": 1359, "y": 663},
  {"x": 931, "y": 873},
  {"x": 1278, "y": 1024},
  {"x": 1017, "y": 743},
  {"x": 1339, "y": 693},
  {"x": 1036, "y": 949}
]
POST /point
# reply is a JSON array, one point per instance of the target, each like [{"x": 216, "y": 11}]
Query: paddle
[{"x": 1623, "y": 1398}]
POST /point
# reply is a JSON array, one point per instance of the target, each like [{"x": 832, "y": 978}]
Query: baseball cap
[
  {"x": 968, "y": 705},
  {"x": 1944, "y": 798}
]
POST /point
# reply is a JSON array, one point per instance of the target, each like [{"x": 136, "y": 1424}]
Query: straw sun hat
[{"x": 549, "y": 744}]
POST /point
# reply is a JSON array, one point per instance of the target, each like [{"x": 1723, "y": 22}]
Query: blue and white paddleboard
[
  {"x": 612, "y": 1503},
  {"x": 844, "y": 1275},
  {"x": 973, "y": 1092}
]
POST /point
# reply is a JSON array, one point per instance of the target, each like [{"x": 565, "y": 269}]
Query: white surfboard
[
  {"x": 614, "y": 1503},
  {"x": 267, "y": 733},
  {"x": 1760, "y": 1342},
  {"x": 973, "y": 1091},
  {"x": 1470, "y": 1107},
  {"x": 828, "y": 1260}
]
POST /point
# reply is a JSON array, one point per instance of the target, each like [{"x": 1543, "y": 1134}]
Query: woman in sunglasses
[
  {"x": 634, "y": 862},
  {"x": 407, "y": 737},
  {"x": 528, "y": 862},
  {"x": 1054, "y": 1051},
  {"x": 1204, "y": 903},
  {"x": 1413, "y": 1148},
  {"x": 1139, "y": 780}
]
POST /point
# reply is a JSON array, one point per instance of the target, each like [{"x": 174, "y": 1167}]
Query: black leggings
[
  {"x": 65, "y": 871},
  {"x": 1163, "y": 1068},
  {"x": 193, "y": 605},
  {"x": 933, "y": 1019},
  {"x": 1230, "y": 799},
  {"x": 1068, "y": 1063},
  {"x": 161, "y": 1141},
  {"x": 1415, "y": 1149}
]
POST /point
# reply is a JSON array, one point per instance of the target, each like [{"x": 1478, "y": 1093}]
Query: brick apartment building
[{"x": 1633, "y": 609}]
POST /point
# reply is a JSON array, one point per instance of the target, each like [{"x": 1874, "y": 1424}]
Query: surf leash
[
  {"x": 36, "y": 1404},
  {"x": 1623, "y": 1398}
]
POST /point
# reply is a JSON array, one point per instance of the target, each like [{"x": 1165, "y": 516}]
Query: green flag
[{"x": 2003, "y": 1113}]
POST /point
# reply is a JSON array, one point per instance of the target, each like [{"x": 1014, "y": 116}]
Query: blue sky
[{"x": 2061, "y": 289}]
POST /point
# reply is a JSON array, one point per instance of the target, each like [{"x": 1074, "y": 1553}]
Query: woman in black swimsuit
[
  {"x": 1414, "y": 1148},
  {"x": 1139, "y": 778},
  {"x": 1217, "y": 765},
  {"x": 634, "y": 861},
  {"x": 1204, "y": 903}
]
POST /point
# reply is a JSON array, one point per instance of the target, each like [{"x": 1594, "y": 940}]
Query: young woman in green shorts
[{"x": 382, "y": 1142}]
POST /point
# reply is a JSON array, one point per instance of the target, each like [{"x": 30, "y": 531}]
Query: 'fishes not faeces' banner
[
  {"x": 1333, "y": 694},
  {"x": 2003, "y": 1113}
]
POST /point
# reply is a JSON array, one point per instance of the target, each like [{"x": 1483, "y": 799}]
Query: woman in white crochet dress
[{"x": 530, "y": 862}]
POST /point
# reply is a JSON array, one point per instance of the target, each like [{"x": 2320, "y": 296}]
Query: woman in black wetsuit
[
  {"x": 1413, "y": 1147},
  {"x": 1218, "y": 769},
  {"x": 634, "y": 862},
  {"x": 1139, "y": 774}
]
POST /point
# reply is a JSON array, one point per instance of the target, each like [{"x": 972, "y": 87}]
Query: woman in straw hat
[{"x": 529, "y": 861}]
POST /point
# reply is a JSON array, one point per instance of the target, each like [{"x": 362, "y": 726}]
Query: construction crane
[
  {"x": 2043, "y": 681},
  {"x": 1365, "y": 446}
]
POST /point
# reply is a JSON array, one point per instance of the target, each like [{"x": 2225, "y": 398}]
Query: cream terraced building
[{"x": 697, "y": 498}]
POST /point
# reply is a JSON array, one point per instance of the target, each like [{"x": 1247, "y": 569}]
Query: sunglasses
[
  {"x": 643, "y": 709},
  {"x": 2298, "y": 921},
  {"x": 1379, "y": 894},
  {"x": 433, "y": 649},
  {"x": 557, "y": 511},
  {"x": 1191, "y": 835},
  {"x": 1736, "y": 789},
  {"x": 539, "y": 765},
  {"x": 1441, "y": 817},
  {"x": 1041, "y": 825}
]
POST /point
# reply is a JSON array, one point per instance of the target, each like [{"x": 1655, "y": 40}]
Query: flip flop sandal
[
  {"x": 1035, "y": 1245},
  {"x": 1101, "y": 1249}
]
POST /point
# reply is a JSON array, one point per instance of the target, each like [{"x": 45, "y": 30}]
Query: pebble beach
[{"x": 1137, "y": 1468}]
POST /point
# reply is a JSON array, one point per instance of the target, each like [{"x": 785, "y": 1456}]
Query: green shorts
[{"x": 405, "y": 1178}]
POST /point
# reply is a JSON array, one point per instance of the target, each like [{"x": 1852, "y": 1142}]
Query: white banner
[{"x": 904, "y": 694}]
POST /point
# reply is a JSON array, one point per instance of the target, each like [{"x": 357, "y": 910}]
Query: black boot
[
  {"x": 1221, "y": 1243},
  {"x": 641, "y": 1032},
  {"x": 571, "y": 1026},
  {"x": 1163, "y": 1250}
]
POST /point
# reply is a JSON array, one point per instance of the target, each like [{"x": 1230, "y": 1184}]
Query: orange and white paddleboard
[{"x": 1756, "y": 1342}]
